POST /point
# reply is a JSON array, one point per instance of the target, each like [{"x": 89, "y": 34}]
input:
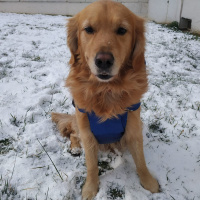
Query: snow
[{"x": 33, "y": 66}]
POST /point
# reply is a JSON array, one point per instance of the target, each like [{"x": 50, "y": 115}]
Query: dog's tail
[
  {"x": 68, "y": 128},
  {"x": 66, "y": 123}
]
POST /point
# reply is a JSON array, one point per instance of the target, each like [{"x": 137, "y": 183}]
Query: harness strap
[{"x": 134, "y": 107}]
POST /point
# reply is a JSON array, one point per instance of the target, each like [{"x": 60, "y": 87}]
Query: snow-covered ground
[{"x": 33, "y": 66}]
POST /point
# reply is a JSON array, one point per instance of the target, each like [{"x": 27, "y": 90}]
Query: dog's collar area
[
  {"x": 111, "y": 130},
  {"x": 134, "y": 107}
]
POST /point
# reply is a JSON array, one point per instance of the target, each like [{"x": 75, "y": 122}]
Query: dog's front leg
[
  {"x": 134, "y": 140},
  {"x": 90, "y": 146}
]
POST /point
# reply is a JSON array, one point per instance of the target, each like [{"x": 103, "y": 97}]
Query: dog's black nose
[{"x": 104, "y": 60}]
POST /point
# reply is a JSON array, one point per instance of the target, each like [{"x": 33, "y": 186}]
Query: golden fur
[
  {"x": 111, "y": 97},
  {"x": 129, "y": 84}
]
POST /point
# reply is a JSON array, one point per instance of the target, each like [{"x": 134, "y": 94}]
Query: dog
[{"x": 107, "y": 79}]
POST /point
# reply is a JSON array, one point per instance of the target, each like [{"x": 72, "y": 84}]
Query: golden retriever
[{"x": 107, "y": 76}]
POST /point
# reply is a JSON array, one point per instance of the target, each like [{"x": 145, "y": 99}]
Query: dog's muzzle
[{"x": 104, "y": 62}]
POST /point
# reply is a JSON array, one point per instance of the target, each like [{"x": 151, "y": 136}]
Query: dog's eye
[
  {"x": 89, "y": 30},
  {"x": 121, "y": 31}
]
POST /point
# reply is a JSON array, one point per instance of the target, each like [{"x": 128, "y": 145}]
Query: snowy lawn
[{"x": 33, "y": 66}]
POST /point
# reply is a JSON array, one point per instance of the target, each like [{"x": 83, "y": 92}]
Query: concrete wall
[
  {"x": 161, "y": 11},
  {"x": 166, "y": 11},
  {"x": 191, "y": 10},
  {"x": 64, "y": 7}
]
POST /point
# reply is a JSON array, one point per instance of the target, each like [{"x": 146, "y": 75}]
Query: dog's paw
[
  {"x": 150, "y": 184},
  {"x": 75, "y": 152},
  {"x": 89, "y": 191}
]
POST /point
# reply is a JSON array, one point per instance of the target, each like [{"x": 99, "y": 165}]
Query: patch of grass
[
  {"x": 32, "y": 57},
  {"x": 103, "y": 167},
  {"x": 22, "y": 122},
  {"x": 37, "y": 58},
  {"x": 12, "y": 31},
  {"x": 3, "y": 73},
  {"x": 156, "y": 131},
  {"x": 62, "y": 102},
  {"x": 194, "y": 65},
  {"x": 25, "y": 119},
  {"x": 5, "y": 145},
  {"x": 7, "y": 190},
  {"x": 42, "y": 28},
  {"x": 156, "y": 127},
  {"x": 196, "y": 106},
  {"x": 57, "y": 25},
  {"x": 46, "y": 105},
  {"x": 27, "y": 55},
  {"x": 80, "y": 181},
  {"x": 14, "y": 121},
  {"x": 35, "y": 44},
  {"x": 115, "y": 192},
  {"x": 6, "y": 64},
  {"x": 4, "y": 54},
  {"x": 173, "y": 25},
  {"x": 195, "y": 36}
]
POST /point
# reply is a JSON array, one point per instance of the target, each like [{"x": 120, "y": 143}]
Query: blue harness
[{"x": 111, "y": 130}]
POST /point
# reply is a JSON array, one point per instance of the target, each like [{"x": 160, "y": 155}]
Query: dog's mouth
[{"x": 104, "y": 76}]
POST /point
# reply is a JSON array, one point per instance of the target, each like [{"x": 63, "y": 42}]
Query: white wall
[
  {"x": 51, "y": 8},
  {"x": 157, "y": 10},
  {"x": 139, "y": 7},
  {"x": 64, "y": 7},
  {"x": 191, "y": 10},
  {"x": 174, "y": 10},
  {"x": 164, "y": 11},
  {"x": 161, "y": 11}
]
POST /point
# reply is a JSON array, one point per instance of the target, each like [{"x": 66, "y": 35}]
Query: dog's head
[{"x": 107, "y": 36}]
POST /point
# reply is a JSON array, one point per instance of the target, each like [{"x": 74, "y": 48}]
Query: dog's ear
[
  {"x": 72, "y": 37},
  {"x": 138, "y": 60}
]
